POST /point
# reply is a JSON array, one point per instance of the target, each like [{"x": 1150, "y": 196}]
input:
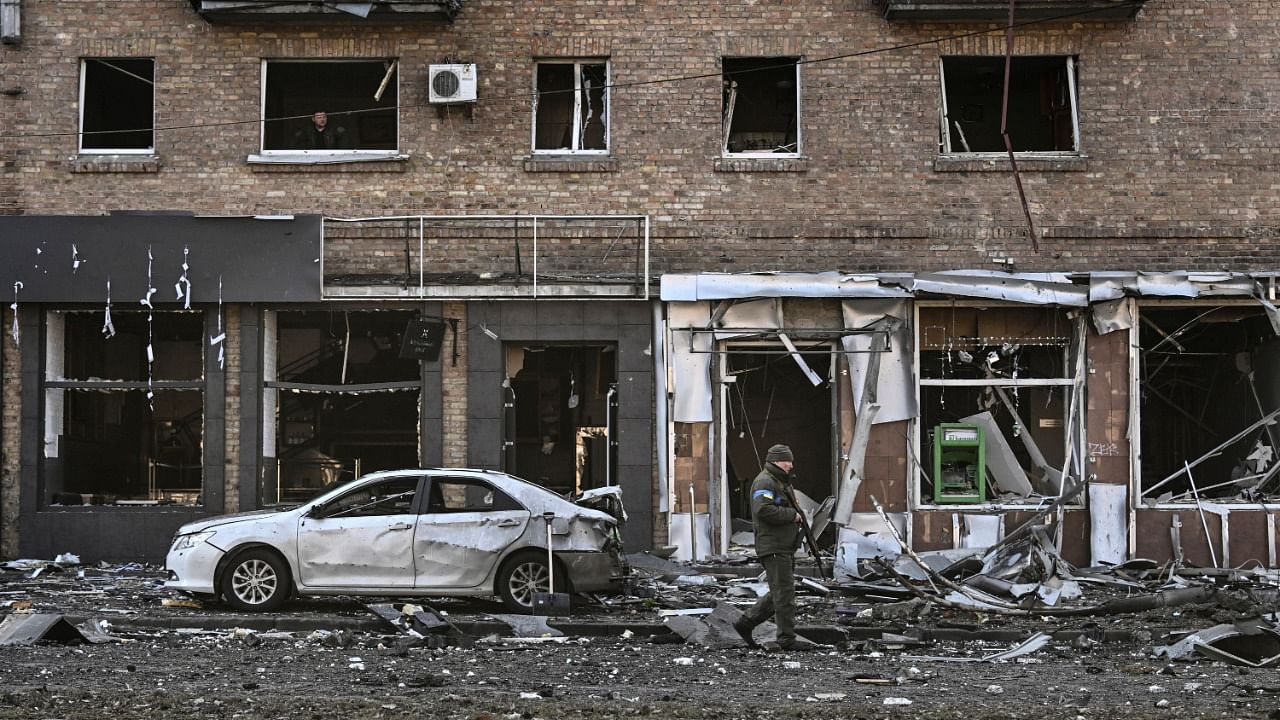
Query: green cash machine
[{"x": 959, "y": 464}]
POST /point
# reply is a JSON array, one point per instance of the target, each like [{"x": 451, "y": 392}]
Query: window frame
[
  {"x": 54, "y": 379},
  {"x": 944, "y": 131},
  {"x": 1076, "y": 431},
  {"x": 80, "y": 135},
  {"x": 577, "y": 64},
  {"x": 725, "y": 127},
  {"x": 303, "y": 155}
]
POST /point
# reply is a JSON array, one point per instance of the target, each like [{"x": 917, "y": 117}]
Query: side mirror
[{"x": 315, "y": 512}]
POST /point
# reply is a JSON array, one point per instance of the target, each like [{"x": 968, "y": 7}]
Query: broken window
[
  {"x": 120, "y": 430},
  {"x": 459, "y": 495},
  {"x": 996, "y": 403},
  {"x": 761, "y": 108},
  {"x": 357, "y": 100},
  {"x": 1042, "y": 105},
  {"x": 562, "y": 411},
  {"x": 117, "y": 105},
  {"x": 571, "y": 106},
  {"x": 341, "y": 399},
  {"x": 393, "y": 496},
  {"x": 1208, "y": 376}
]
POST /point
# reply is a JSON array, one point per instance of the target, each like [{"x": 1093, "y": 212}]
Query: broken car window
[
  {"x": 571, "y": 106},
  {"x": 761, "y": 109},
  {"x": 357, "y": 99},
  {"x": 388, "y": 497},
  {"x": 117, "y": 105},
  {"x": 1042, "y": 104},
  {"x": 467, "y": 495}
]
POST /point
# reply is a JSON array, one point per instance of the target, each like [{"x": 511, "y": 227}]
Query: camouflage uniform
[{"x": 777, "y": 537}]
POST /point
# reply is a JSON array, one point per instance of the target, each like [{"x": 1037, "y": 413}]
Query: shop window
[
  {"x": 571, "y": 106},
  {"x": 118, "y": 429},
  {"x": 761, "y": 109},
  {"x": 325, "y": 106},
  {"x": 117, "y": 105},
  {"x": 1207, "y": 377},
  {"x": 996, "y": 403},
  {"x": 341, "y": 399},
  {"x": 1042, "y": 113}
]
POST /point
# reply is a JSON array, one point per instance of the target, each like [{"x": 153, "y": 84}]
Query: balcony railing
[{"x": 514, "y": 256}]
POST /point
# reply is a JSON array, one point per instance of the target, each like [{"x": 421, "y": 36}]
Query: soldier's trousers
[{"x": 780, "y": 601}]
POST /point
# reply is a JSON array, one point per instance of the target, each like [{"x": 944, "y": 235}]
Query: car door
[
  {"x": 463, "y": 530},
  {"x": 362, "y": 538}
]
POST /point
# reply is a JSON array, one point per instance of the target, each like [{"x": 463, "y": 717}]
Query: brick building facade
[{"x": 851, "y": 136}]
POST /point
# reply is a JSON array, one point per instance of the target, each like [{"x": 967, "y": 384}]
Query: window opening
[
  {"x": 117, "y": 105},
  {"x": 388, "y": 497},
  {"x": 1042, "y": 104},
  {"x": 761, "y": 109},
  {"x": 457, "y": 495},
  {"x": 558, "y": 424},
  {"x": 104, "y": 442},
  {"x": 571, "y": 106},
  {"x": 1208, "y": 375},
  {"x": 342, "y": 403},
  {"x": 772, "y": 400},
  {"x": 330, "y": 105},
  {"x": 995, "y": 403}
]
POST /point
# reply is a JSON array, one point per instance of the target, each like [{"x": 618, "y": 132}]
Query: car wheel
[
  {"x": 524, "y": 574},
  {"x": 256, "y": 580}
]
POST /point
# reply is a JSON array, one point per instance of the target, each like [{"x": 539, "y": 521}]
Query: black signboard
[{"x": 422, "y": 340}]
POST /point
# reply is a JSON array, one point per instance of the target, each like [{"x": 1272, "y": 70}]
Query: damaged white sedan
[{"x": 439, "y": 532}]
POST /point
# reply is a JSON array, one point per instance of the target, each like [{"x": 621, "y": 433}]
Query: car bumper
[
  {"x": 591, "y": 571},
  {"x": 192, "y": 569}
]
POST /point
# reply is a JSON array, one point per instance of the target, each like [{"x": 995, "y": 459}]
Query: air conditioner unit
[{"x": 455, "y": 83}]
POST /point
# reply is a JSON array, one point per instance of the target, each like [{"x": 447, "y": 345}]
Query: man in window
[{"x": 321, "y": 135}]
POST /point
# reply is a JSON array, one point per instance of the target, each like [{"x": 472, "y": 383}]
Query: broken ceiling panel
[
  {"x": 896, "y": 382},
  {"x": 719, "y": 286},
  {"x": 690, "y": 362},
  {"x": 1032, "y": 288}
]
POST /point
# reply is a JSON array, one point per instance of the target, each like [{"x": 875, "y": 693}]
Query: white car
[{"x": 440, "y": 532}]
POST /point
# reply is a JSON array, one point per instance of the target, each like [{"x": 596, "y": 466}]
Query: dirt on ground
[{"x": 1095, "y": 668}]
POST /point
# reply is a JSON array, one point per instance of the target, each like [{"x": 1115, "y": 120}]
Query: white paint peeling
[{"x": 17, "y": 285}]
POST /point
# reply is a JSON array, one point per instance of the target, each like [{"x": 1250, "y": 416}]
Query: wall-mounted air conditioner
[{"x": 454, "y": 83}]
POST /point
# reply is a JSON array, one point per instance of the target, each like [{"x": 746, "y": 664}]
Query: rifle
[{"x": 809, "y": 540}]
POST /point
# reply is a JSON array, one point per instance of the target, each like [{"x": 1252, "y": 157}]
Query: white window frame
[
  {"x": 944, "y": 131},
  {"x": 577, "y": 64},
  {"x": 316, "y": 156},
  {"x": 914, "y": 499},
  {"x": 725, "y": 123},
  {"x": 80, "y": 148}
]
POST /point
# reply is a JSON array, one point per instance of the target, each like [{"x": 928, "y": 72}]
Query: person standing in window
[{"x": 321, "y": 135}]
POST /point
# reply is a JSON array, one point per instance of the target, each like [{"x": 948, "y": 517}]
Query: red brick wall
[{"x": 1176, "y": 120}]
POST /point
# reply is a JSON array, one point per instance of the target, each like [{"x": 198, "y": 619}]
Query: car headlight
[{"x": 190, "y": 540}]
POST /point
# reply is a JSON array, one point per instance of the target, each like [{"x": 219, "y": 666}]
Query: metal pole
[
  {"x": 693, "y": 526},
  {"x": 551, "y": 564},
  {"x": 1205, "y": 523}
]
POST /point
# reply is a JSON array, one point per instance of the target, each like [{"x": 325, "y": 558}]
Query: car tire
[
  {"x": 524, "y": 574},
  {"x": 256, "y": 580}
]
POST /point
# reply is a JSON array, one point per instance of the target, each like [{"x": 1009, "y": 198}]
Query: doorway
[
  {"x": 770, "y": 400},
  {"x": 561, "y": 414}
]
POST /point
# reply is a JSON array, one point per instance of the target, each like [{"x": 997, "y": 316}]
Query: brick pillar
[
  {"x": 10, "y": 413},
  {"x": 232, "y": 432},
  {"x": 453, "y": 390}
]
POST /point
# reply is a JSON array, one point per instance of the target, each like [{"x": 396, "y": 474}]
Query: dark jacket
[
  {"x": 334, "y": 137},
  {"x": 775, "y": 519}
]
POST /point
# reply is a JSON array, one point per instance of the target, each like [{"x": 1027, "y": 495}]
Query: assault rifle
[{"x": 809, "y": 540}]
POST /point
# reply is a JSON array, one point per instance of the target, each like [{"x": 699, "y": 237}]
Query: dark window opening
[
  {"x": 1042, "y": 104},
  {"x": 117, "y": 105},
  {"x": 761, "y": 109},
  {"x": 562, "y": 414},
  {"x": 459, "y": 495},
  {"x": 297, "y": 91},
  {"x": 106, "y": 441},
  {"x": 571, "y": 111},
  {"x": 972, "y": 361},
  {"x": 345, "y": 402},
  {"x": 773, "y": 401},
  {"x": 1206, "y": 375},
  {"x": 393, "y": 496}
]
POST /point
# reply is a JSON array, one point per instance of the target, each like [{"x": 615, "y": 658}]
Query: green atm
[{"x": 959, "y": 464}]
